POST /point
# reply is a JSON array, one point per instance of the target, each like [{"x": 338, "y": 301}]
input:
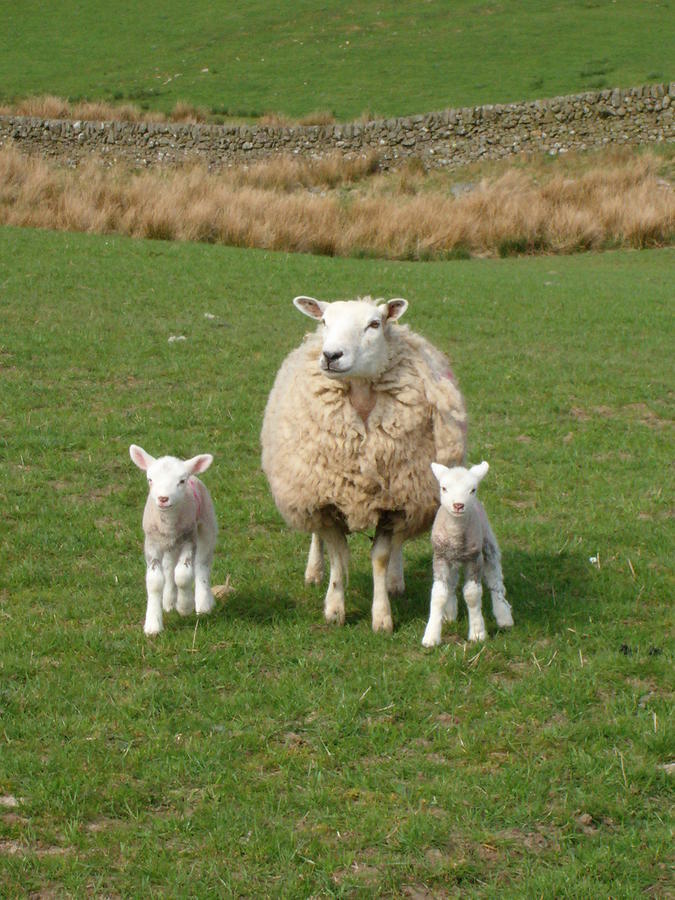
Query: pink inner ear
[{"x": 139, "y": 459}]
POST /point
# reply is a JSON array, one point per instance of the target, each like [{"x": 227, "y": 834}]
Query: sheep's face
[
  {"x": 355, "y": 334},
  {"x": 459, "y": 486},
  {"x": 168, "y": 477}
]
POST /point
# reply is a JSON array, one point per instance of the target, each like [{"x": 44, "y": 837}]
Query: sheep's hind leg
[
  {"x": 443, "y": 605},
  {"x": 381, "y": 556},
  {"x": 315, "y": 567},
  {"x": 184, "y": 575},
  {"x": 495, "y": 582},
  {"x": 204, "y": 599},
  {"x": 395, "y": 578},
  {"x": 338, "y": 555}
]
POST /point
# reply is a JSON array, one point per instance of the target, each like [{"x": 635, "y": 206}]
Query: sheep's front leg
[
  {"x": 473, "y": 593},
  {"x": 395, "y": 579},
  {"x": 443, "y": 605},
  {"x": 495, "y": 582},
  {"x": 184, "y": 575},
  {"x": 380, "y": 556},
  {"x": 338, "y": 555},
  {"x": 314, "y": 570},
  {"x": 154, "y": 583},
  {"x": 169, "y": 594}
]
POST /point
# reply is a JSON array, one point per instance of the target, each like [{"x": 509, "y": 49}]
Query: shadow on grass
[{"x": 547, "y": 590}]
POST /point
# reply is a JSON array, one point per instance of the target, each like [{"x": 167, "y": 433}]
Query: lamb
[
  {"x": 180, "y": 528},
  {"x": 357, "y": 413},
  {"x": 461, "y": 535}
]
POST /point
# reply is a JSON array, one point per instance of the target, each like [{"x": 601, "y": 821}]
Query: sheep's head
[
  {"x": 167, "y": 476},
  {"x": 459, "y": 486},
  {"x": 355, "y": 334}
]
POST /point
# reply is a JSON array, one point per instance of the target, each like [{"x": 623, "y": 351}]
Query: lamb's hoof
[
  {"x": 152, "y": 628},
  {"x": 477, "y": 634},
  {"x": 383, "y": 624},
  {"x": 504, "y": 616},
  {"x": 396, "y": 588},
  {"x": 205, "y": 605},
  {"x": 169, "y": 605},
  {"x": 313, "y": 577},
  {"x": 431, "y": 640},
  {"x": 186, "y": 607},
  {"x": 334, "y": 612}
]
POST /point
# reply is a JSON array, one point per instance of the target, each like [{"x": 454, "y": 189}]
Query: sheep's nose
[
  {"x": 331, "y": 356},
  {"x": 458, "y": 507},
  {"x": 163, "y": 499}
]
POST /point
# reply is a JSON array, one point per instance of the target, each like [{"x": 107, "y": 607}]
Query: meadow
[
  {"x": 386, "y": 58},
  {"x": 259, "y": 752}
]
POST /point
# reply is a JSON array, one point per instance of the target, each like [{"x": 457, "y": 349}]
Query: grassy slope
[
  {"x": 263, "y": 754},
  {"x": 391, "y": 57}
]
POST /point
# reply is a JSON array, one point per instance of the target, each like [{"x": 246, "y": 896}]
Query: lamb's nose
[
  {"x": 163, "y": 499},
  {"x": 458, "y": 507},
  {"x": 331, "y": 356}
]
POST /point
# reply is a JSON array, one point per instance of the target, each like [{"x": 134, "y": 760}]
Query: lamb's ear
[
  {"x": 438, "y": 470},
  {"x": 479, "y": 471},
  {"x": 142, "y": 459},
  {"x": 198, "y": 463},
  {"x": 310, "y": 307},
  {"x": 395, "y": 308}
]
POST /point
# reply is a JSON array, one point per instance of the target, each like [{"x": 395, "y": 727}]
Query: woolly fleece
[{"x": 319, "y": 456}]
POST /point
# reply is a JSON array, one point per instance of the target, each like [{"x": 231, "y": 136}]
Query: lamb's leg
[
  {"x": 314, "y": 570},
  {"x": 154, "y": 583},
  {"x": 204, "y": 599},
  {"x": 184, "y": 575},
  {"x": 473, "y": 592},
  {"x": 338, "y": 555},
  {"x": 380, "y": 556},
  {"x": 495, "y": 582},
  {"x": 170, "y": 593},
  {"x": 443, "y": 605},
  {"x": 395, "y": 579}
]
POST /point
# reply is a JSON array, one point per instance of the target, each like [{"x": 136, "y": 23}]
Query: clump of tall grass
[{"x": 348, "y": 207}]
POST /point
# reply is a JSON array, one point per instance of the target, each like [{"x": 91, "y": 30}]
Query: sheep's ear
[
  {"x": 198, "y": 463},
  {"x": 310, "y": 307},
  {"x": 142, "y": 459},
  {"x": 395, "y": 308},
  {"x": 480, "y": 471},
  {"x": 438, "y": 470}
]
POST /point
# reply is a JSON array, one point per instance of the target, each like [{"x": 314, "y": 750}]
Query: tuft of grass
[
  {"x": 258, "y": 752},
  {"x": 340, "y": 206}
]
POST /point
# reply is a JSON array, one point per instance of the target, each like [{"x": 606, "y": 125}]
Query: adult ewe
[{"x": 356, "y": 415}]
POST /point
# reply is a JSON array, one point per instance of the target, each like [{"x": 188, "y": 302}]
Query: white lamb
[
  {"x": 356, "y": 415},
  {"x": 180, "y": 528},
  {"x": 461, "y": 535}
]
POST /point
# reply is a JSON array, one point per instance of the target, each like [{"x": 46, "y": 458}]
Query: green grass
[
  {"x": 260, "y": 753},
  {"x": 390, "y": 57}
]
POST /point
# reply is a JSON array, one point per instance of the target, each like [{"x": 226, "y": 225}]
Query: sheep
[
  {"x": 180, "y": 528},
  {"x": 461, "y": 535},
  {"x": 357, "y": 413}
]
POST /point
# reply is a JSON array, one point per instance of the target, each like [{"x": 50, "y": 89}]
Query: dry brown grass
[
  {"x": 50, "y": 107},
  {"x": 346, "y": 207}
]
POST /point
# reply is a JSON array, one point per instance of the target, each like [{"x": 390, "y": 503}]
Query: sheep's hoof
[
  {"x": 205, "y": 604},
  {"x": 503, "y": 615},
  {"x": 383, "y": 624},
  {"x": 152, "y": 629},
  {"x": 334, "y": 613},
  {"x": 313, "y": 577},
  {"x": 396, "y": 588},
  {"x": 477, "y": 634}
]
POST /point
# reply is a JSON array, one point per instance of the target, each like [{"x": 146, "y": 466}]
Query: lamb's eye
[
  {"x": 149, "y": 480},
  {"x": 323, "y": 321},
  {"x": 182, "y": 481},
  {"x": 445, "y": 490},
  {"x": 374, "y": 324},
  {"x": 473, "y": 490}
]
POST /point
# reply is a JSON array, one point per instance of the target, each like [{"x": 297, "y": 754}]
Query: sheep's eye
[
  {"x": 323, "y": 321},
  {"x": 445, "y": 490},
  {"x": 182, "y": 481},
  {"x": 149, "y": 480},
  {"x": 473, "y": 490},
  {"x": 374, "y": 324}
]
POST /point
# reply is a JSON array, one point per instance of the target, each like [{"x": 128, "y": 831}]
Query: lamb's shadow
[{"x": 544, "y": 589}]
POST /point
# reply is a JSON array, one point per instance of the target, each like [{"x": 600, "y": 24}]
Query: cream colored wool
[{"x": 319, "y": 456}]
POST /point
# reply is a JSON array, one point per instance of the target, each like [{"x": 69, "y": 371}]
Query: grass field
[
  {"x": 261, "y": 753},
  {"x": 390, "y": 57}
]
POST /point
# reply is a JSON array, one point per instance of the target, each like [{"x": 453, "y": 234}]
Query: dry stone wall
[{"x": 450, "y": 138}]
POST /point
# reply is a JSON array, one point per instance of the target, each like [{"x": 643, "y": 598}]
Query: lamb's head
[
  {"x": 459, "y": 486},
  {"x": 355, "y": 334},
  {"x": 168, "y": 477}
]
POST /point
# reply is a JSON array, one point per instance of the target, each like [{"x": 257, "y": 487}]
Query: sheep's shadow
[{"x": 544, "y": 589}]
